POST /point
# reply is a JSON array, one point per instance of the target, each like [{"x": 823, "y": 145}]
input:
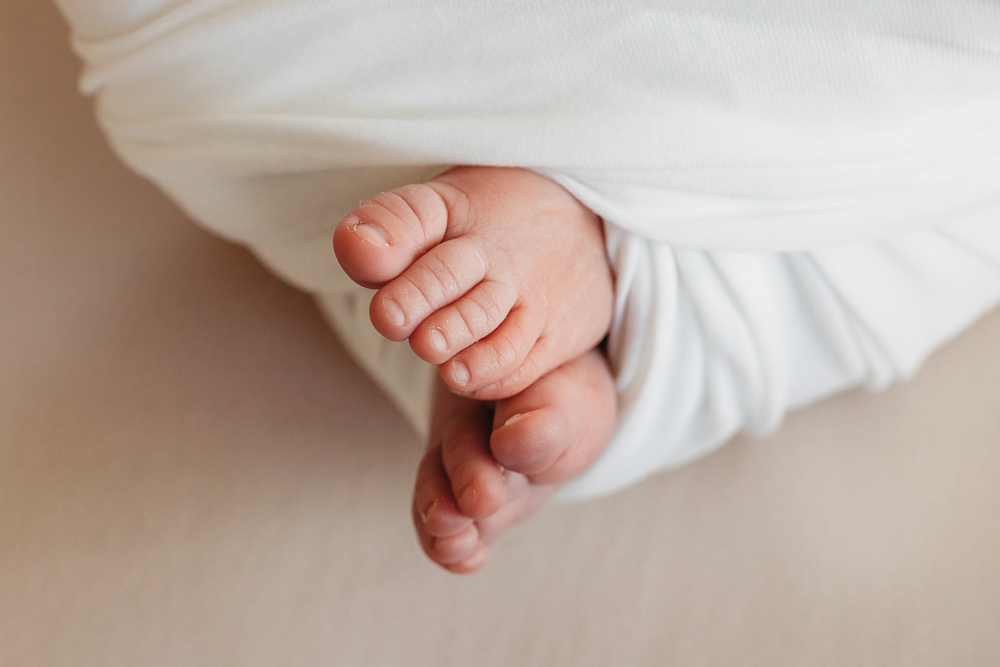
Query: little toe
[
  {"x": 454, "y": 548},
  {"x": 453, "y": 328},
  {"x": 461, "y": 552},
  {"x": 386, "y": 233},
  {"x": 496, "y": 356},
  {"x": 445, "y": 273},
  {"x": 472, "y": 563}
]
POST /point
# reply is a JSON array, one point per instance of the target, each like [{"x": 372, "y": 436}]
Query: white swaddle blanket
[{"x": 799, "y": 196}]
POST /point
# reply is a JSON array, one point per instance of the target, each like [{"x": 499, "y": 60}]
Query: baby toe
[
  {"x": 455, "y": 548},
  {"x": 496, "y": 357},
  {"x": 453, "y": 328},
  {"x": 472, "y": 563},
  {"x": 460, "y": 552}
]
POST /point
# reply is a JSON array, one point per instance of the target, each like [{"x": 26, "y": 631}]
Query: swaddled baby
[{"x": 684, "y": 218}]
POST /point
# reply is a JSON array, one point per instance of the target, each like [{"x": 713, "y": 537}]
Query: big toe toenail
[
  {"x": 372, "y": 233},
  {"x": 515, "y": 418},
  {"x": 393, "y": 312}
]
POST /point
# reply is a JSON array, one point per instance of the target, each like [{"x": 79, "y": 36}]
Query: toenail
[
  {"x": 515, "y": 418},
  {"x": 393, "y": 312},
  {"x": 438, "y": 340},
  {"x": 369, "y": 232},
  {"x": 460, "y": 373}
]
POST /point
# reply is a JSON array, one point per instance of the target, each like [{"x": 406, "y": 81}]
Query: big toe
[
  {"x": 557, "y": 427},
  {"x": 384, "y": 235}
]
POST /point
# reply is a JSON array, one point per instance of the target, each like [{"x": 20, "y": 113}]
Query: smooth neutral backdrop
[{"x": 192, "y": 472}]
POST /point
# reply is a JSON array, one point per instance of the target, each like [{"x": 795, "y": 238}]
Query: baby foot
[
  {"x": 498, "y": 275},
  {"x": 487, "y": 467}
]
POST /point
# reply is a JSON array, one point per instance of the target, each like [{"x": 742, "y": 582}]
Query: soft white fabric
[
  {"x": 707, "y": 343},
  {"x": 799, "y": 196}
]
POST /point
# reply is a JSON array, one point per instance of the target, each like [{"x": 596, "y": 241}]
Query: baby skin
[{"x": 498, "y": 276}]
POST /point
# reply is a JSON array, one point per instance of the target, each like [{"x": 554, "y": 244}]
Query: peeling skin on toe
[
  {"x": 426, "y": 514},
  {"x": 372, "y": 234}
]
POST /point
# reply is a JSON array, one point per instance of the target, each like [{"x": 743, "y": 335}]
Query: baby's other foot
[
  {"x": 498, "y": 275},
  {"x": 487, "y": 467}
]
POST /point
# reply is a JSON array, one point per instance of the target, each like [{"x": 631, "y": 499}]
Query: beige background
[{"x": 193, "y": 473}]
